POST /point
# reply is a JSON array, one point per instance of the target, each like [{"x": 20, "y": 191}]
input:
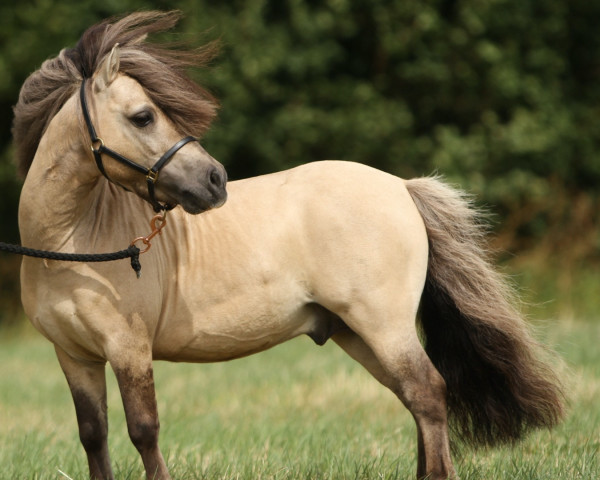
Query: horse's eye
[{"x": 142, "y": 119}]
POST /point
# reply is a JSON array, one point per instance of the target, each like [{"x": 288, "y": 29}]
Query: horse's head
[{"x": 159, "y": 165}]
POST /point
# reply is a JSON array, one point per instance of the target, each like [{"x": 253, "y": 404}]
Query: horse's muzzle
[{"x": 206, "y": 194}]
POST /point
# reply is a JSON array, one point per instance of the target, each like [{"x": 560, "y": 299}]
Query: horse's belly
[{"x": 227, "y": 338}]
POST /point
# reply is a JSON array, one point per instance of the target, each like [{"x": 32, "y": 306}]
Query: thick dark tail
[{"x": 498, "y": 384}]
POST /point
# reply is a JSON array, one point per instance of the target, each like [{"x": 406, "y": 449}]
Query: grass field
[{"x": 295, "y": 412}]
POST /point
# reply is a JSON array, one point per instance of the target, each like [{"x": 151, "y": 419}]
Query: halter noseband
[{"x": 98, "y": 148}]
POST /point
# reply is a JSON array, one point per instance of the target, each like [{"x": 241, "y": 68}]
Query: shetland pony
[{"x": 333, "y": 250}]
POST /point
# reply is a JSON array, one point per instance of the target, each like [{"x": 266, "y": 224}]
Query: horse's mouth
[{"x": 198, "y": 202}]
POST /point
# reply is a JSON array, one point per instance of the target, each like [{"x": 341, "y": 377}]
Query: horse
[{"x": 395, "y": 271}]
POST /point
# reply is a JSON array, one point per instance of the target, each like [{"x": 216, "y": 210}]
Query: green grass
[{"x": 295, "y": 412}]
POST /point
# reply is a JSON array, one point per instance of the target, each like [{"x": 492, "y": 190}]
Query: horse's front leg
[
  {"x": 136, "y": 382},
  {"x": 87, "y": 382}
]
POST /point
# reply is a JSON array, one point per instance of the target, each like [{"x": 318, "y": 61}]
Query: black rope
[{"x": 132, "y": 252}]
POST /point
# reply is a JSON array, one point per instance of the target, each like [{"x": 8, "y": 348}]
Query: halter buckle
[{"x": 152, "y": 176}]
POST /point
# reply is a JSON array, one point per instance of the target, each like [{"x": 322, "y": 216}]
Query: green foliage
[
  {"x": 500, "y": 96},
  {"x": 475, "y": 89}
]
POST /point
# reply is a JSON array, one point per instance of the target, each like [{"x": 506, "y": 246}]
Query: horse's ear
[{"x": 108, "y": 70}]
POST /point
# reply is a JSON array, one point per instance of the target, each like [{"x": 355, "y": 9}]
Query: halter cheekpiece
[{"x": 98, "y": 148}]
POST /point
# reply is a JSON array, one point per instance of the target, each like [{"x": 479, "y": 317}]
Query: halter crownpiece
[{"x": 98, "y": 148}]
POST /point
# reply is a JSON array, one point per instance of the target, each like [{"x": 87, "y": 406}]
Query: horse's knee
[
  {"x": 144, "y": 433},
  {"x": 92, "y": 436},
  {"x": 139, "y": 401}
]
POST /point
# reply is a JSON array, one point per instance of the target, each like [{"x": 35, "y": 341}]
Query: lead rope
[{"x": 157, "y": 223}]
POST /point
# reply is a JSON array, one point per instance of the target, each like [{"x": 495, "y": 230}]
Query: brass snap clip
[{"x": 157, "y": 223}]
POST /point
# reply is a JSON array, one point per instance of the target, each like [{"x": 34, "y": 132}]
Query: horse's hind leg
[
  {"x": 404, "y": 368},
  {"x": 136, "y": 383},
  {"x": 87, "y": 382}
]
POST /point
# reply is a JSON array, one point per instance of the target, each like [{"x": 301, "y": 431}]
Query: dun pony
[{"x": 333, "y": 250}]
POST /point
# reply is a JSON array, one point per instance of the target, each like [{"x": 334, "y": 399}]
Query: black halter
[{"x": 151, "y": 174}]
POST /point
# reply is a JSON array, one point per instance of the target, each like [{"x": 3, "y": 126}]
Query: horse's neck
[{"x": 64, "y": 196}]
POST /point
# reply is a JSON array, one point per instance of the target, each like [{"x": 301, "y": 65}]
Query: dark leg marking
[
  {"x": 93, "y": 433},
  {"x": 139, "y": 401},
  {"x": 87, "y": 382}
]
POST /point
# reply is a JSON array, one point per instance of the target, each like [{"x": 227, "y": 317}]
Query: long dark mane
[{"x": 159, "y": 68}]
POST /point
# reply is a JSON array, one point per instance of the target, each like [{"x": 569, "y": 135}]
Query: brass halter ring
[{"x": 100, "y": 146}]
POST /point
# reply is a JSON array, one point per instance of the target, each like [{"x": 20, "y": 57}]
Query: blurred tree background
[{"x": 500, "y": 96}]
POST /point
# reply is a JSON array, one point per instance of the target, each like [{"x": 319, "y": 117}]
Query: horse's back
[
  {"x": 337, "y": 205},
  {"x": 334, "y": 208}
]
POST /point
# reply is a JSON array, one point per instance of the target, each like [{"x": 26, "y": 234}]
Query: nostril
[{"x": 216, "y": 179}]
